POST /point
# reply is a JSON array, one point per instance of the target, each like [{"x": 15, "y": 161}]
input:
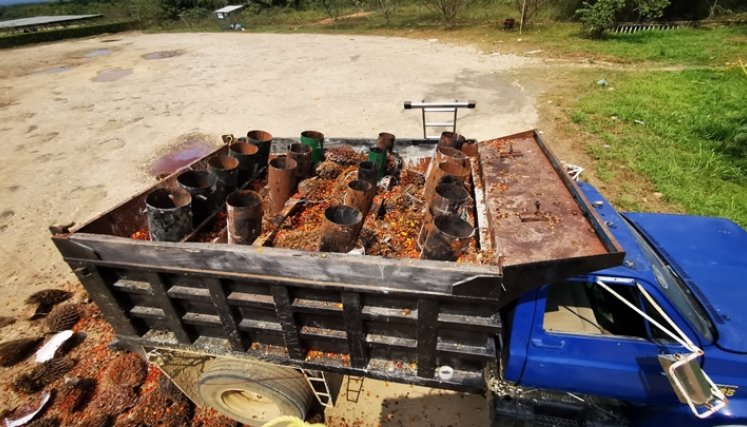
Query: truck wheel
[{"x": 254, "y": 393}]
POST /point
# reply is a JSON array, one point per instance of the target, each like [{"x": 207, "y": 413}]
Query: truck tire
[{"x": 254, "y": 393}]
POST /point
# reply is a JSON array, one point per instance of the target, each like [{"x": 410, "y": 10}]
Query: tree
[
  {"x": 528, "y": 8},
  {"x": 447, "y": 9}
]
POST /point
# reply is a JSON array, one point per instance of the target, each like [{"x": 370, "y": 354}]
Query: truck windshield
[{"x": 674, "y": 289}]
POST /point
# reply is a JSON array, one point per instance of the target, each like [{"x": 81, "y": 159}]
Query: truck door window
[{"x": 577, "y": 307}]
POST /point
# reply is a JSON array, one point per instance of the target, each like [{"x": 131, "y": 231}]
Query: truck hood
[{"x": 710, "y": 255}]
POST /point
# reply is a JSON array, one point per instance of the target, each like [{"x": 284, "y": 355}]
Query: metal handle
[{"x": 455, "y": 104}]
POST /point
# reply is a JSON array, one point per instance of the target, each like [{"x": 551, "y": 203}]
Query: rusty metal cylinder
[
  {"x": 440, "y": 170},
  {"x": 281, "y": 180},
  {"x": 315, "y": 140},
  {"x": 248, "y": 157},
  {"x": 226, "y": 171},
  {"x": 452, "y": 155},
  {"x": 359, "y": 195},
  {"x": 451, "y": 179},
  {"x": 340, "y": 229},
  {"x": 448, "y": 238},
  {"x": 386, "y": 141},
  {"x": 367, "y": 172},
  {"x": 451, "y": 139},
  {"x": 244, "y": 222},
  {"x": 378, "y": 157},
  {"x": 470, "y": 148},
  {"x": 263, "y": 141},
  {"x": 201, "y": 185},
  {"x": 447, "y": 199},
  {"x": 302, "y": 154},
  {"x": 169, "y": 213}
]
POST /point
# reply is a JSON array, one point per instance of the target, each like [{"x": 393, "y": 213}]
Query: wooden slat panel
[
  {"x": 351, "y": 309},
  {"x": 226, "y": 314},
  {"x": 133, "y": 287},
  {"x": 188, "y": 293},
  {"x": 97, "y": 282},
  {"x": 147, "y": 313},
  {"x": 427, "y": 337},
  {"x": 284, "y": 312},
  {"x": 173, "y": 317}
]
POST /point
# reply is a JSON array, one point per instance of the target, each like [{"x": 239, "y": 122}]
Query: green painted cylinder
[
  {"x": 315, "y": 140},
  {"x": 377, "y": 156}
]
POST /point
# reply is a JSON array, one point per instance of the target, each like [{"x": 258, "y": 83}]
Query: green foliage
[
  {"x": 447, "y": 10},
  {"x": 691, "y": 143},
  {"x": 65, "y": 33},
  {"x": 387, "y": 8},
  {"x": 650, "y": 9},
  {"x": 598, "y": 17}
]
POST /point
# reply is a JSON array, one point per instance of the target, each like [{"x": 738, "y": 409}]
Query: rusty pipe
[
  {"x": 440, "y": 170},
  {"x": 340, "y": 229},
  {"x": 386, "y": 141},
  {"x": 451, "y": 139},
  {"x": 447, "y": 199},
  {"x": 448, "y": 238},
  {"x": 281, "y": 180},
  {"x": 367, "y": 172},
  {"x": 225, "y": 169},
  {"x": 244, "y": 222},
  {"x": 169, "y": 213},
  {"x": 263, "y": 141},
  {"x": 247, "y": 155},
  {"x": 359, "y": 195},
  {"x": 302, "y": 154},
  {"x": 201, "y": 185},
  {"x": 452, "y": 155}
]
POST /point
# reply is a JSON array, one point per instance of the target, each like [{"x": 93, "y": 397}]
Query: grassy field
[{"x": 673, "y": 128}]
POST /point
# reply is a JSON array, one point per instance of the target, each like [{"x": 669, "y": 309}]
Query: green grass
[
  {"x": 480, "y": 24},
  {"x": 671, "y": 127}
]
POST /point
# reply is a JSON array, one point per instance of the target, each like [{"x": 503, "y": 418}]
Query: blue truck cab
[{"x": 576, "y": 338}]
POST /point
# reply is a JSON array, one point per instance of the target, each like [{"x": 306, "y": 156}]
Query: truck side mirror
[{"x": 687, "y": 379}]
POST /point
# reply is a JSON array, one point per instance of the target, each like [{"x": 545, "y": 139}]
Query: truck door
[{"x": 584, "y": 340}]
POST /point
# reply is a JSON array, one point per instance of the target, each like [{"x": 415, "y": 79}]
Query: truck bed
[{"x": 398, "y": 319}]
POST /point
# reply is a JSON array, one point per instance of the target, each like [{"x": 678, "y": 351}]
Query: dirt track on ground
[{"x": 82, "y": 121}]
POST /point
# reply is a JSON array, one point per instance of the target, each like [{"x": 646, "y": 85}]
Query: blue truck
[{"x": 570, "y": 314}]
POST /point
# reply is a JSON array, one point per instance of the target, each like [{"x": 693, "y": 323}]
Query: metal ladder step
[
  {"x": 318, "y": 384},
  {"x": 439, "y": 124},
  {"x": 440, "y": 110}
]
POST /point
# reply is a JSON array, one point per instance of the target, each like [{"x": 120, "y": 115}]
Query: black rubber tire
[{"x": 254, "y": 393}]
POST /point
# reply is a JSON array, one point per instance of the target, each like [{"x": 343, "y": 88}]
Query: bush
[
  {"x": 598, "y": 17},
  {"x": 66, "y": 33},
  {"x": 447, "y": 10}
]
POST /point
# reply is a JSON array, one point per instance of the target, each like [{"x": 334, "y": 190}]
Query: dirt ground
[{"x": 83, "y": 121}]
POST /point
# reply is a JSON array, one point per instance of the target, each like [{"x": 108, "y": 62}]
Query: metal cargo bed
[{"x": 386, "y": 318}]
